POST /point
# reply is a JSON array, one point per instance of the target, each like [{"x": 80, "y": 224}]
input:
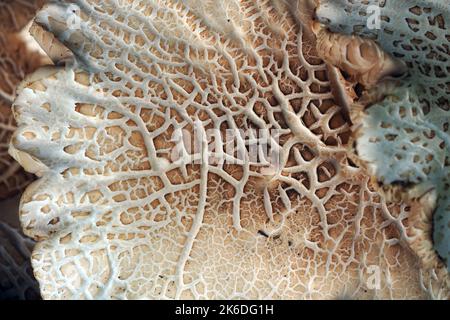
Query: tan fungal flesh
[
  {"x": 15, "y": 62},
  {"x": 17, "y": 59},
  {"x": 361, "y": 59},
  {"x": 117, "y": 217}
]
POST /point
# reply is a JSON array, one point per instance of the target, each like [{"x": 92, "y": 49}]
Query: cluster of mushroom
[
  {"x": 19, "y": 56},
  {"x": 336, "y": 173}
]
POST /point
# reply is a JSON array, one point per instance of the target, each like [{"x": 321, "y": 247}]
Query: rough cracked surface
[
  {"x": 16, "y": 61},
  {"x": 117, "y": 217},
  {"x": 415, "y": 150},
  {"x": 12, "y": 177},
  {"x": 405, "y": 133},
  {"x": 415, "y": 32}
]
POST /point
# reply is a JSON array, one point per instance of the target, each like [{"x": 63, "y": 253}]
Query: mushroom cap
[
  {"x": 15, "y": 62},
  {"x": 15, "y": 14},
  {"x": 118, "y": 215},
  {"x": 404, "y": 133},
  {"x": 17, "y": 59},
  {"x": 16, "y": 274}
]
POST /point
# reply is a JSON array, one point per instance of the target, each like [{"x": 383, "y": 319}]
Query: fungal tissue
[{"x": 225, "y": 149}]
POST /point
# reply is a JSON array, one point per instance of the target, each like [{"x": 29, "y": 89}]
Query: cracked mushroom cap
[
  {"x": 403, "y": 135},
  {"x": 15, "y": 62},
  {"x": 17, "y": 59},
  {"x": 118, "y": 215}
]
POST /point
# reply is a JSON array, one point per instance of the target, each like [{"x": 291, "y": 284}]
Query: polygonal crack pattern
[
  {"x": 406, "y": 136},
  {"x": 16, "y": 61},
  {"x": 118, "y": 217}
]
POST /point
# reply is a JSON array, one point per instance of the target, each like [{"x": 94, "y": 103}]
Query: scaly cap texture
[
  {"x": 404, "y": 135},
  {"x": 17, "y": 59},
  {"x": 15, "y": 62},
  {"x": 117, "y": 216}
]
